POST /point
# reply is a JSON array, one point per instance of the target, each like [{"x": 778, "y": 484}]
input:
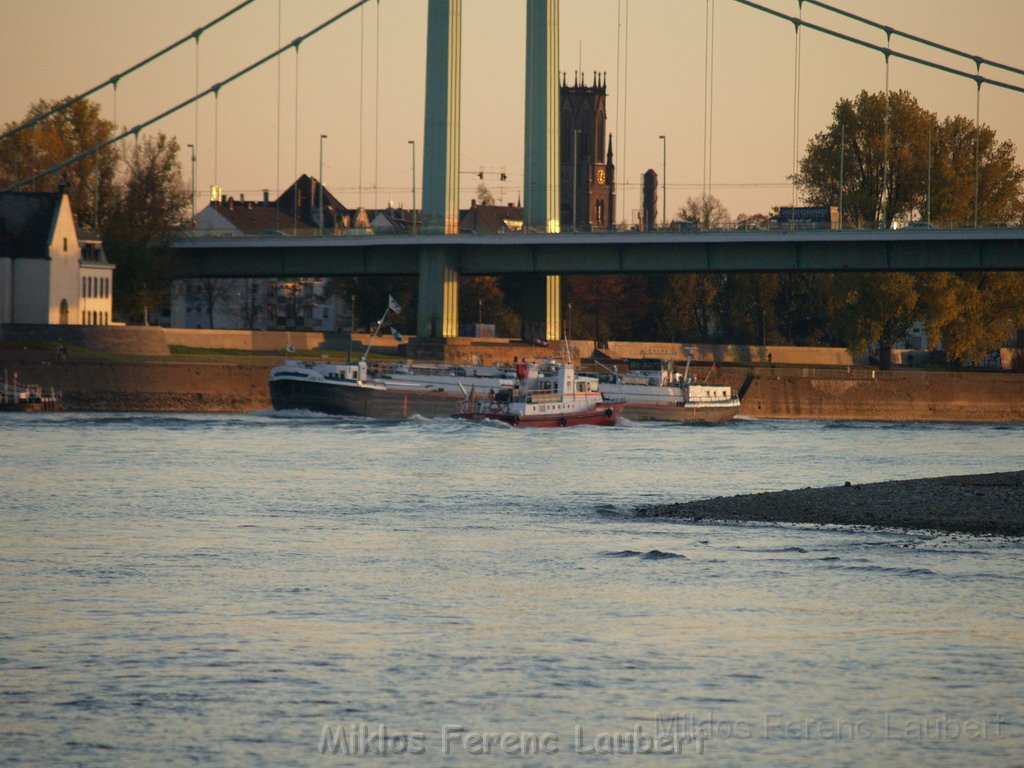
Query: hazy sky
[{"x": 55, "y": 48}]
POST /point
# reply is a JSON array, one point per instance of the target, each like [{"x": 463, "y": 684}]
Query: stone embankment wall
[
  {"x": 781, "y": 394},
  {"x": 881, "y": 395},
  {"x": 89, "y": 385}
]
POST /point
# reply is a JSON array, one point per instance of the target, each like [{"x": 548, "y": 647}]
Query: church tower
[{"x": 586, "y": 167}]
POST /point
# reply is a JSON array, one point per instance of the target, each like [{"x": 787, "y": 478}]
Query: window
[
  {"x": 84, "y": 284},
  {"x": 65, "y": 245}
]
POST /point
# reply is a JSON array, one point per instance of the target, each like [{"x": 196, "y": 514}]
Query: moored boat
[
  {"x": 556, "y": 397},
  {"x": 655, "y": 391},
  {"x": 17, "y": 397}
]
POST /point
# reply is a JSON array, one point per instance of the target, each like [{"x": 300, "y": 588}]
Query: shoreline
[
  {"x": 228, "y": 384},
  {"x": 979, "y": 505}
]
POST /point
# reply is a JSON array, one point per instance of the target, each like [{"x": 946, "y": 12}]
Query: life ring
[
  {"x": 494, "y": 407},
  {"x": 562, "y": 422}
]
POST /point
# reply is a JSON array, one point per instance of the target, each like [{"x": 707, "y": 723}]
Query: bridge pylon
[{"x": 541, "y": 199}]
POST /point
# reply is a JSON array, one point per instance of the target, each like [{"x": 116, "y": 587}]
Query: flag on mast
[
  {"x": 396, "y": 335},
  {"x": 394, "y": 306}
]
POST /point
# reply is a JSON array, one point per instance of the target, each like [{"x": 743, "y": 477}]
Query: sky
[{"x": 261, "y": 132}]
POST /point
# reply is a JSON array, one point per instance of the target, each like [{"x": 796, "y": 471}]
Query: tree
[
  {"x": 481, "y": 298},
  {"x": 151, "y": 203},
  {"x": 685, "y": 306},
  {"x": 483, "y": 195},
  {"x": 1000, "y": 179},
  {"x": 747, "y": 308},
  {"x": 706, "y": 210},
  {"x": 973, "y": 313},
  {"x": 873, "y": 196},
  {"x": 89, "y": 182},
  {"x": 874, "y": 308}
]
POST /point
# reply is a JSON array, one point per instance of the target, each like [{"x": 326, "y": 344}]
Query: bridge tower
[
  {"x": 439, "y": 280},
  {"x": 542, "y": 315}
]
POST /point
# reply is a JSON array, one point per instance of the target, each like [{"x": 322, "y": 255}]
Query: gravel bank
[{"x": 975, "y": 504}]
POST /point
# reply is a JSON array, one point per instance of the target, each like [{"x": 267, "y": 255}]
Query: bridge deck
[{"x": 612, "y": 253}]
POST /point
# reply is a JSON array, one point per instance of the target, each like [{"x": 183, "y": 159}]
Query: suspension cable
[
  {"x": 295, "y": 162},
  {"x": 362, "y": 61},
  {"x": 711, "y": 106},
  {"x": 376, "y": 110},
  {"x": 979, "y": 79},
  {"x": 707, "y": 49},
  {"x": 212, "y": 89},
  {"x": 889, "y": 31},
  {"x": 277, "y": 167},
  {"x": 116, "y": 78},
  {"x": 797, "y": 51}
]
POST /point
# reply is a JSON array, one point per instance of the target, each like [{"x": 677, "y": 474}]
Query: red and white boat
[{"x": 552, "y": 396}]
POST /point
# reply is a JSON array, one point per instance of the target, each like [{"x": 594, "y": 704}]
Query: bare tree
[{"x": 706, "y": 210}]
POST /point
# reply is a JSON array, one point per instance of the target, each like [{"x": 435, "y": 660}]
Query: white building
[{"x": 51, "y": 272}]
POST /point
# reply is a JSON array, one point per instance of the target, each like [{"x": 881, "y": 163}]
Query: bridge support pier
[
  {"x": 438, "y": 316},
  {"x": 542, "y": 307}
]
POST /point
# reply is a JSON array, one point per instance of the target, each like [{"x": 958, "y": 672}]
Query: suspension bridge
[{"x": 439, "y": 254}]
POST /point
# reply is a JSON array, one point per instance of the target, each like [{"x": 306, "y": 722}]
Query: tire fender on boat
[
  {"x": 562, "y": 422},
  {"x": 608, "y": 412}
]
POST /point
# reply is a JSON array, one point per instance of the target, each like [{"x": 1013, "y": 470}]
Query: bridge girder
[{"x": 958, "y": 250}]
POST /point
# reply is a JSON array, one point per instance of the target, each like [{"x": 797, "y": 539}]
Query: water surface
[{"x": 181, "y": 589}]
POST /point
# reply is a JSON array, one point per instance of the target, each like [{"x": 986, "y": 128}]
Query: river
[{"x": 278, "y": 589}]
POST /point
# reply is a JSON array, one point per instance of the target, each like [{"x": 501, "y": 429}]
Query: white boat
[
  {"x": 549, "y": 395},
  {"x": 655, "y": 391}
]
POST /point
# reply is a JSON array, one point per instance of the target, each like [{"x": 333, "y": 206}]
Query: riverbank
[
  {"x": 98, "y": 381},
  {"x": 973, "y": 504}
]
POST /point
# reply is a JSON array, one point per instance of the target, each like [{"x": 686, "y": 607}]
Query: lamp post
[
  {"x": 320, "y": 183},
  {"x": 193, "y": 183},
  {"x": 928, "y": 191},
  {"x": 842, "y": 158},
  {"x": 664, "y": 180},
  {"x": 413, "y": 143}
]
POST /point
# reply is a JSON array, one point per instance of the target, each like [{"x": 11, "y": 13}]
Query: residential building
[
  {"x": 491, "y": 219},
  {"x": 265, "y": 303},
  {"x": 51, "y": 271}
]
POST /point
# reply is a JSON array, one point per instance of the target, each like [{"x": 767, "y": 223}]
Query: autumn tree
[
  {"x": 972, "y": 313},
  {"x": 874, "y": 308},
  {"x": 1000, "y": 179},
  {"x": 89, "y": 182},
  {"x": 150, "y": 205},
  {"x": 876, "y": 193},
  {"x": 871, "y": 196}
]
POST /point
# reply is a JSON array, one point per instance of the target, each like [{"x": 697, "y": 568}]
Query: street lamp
[
  {"x": 193, "y": 148},
  {"x": 413, "y": 143},
  {"x": 321, "y": 183},
  {"x": 664, "y": 181},
  {"x": 928, "y": 191}
]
